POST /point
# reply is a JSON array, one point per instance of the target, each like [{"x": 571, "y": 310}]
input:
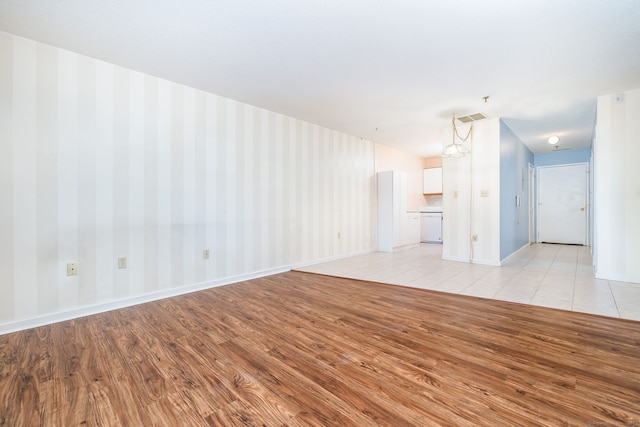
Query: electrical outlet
[
  {"x": 72, "y": 269},
  {"x": 122, "y": 262},
  {"x": 484, "y": 193},
  {"x": 205, "y": 254},
  {"x": 474, "y": 237},
  {"x": 339, "y": 235}
]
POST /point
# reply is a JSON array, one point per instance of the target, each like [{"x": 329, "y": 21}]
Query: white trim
[
  {"x": 128, "y": 302},
  {"x": 508, "y": 257},
  {"x": 409, "y": 246},
  {"x": 48, "y": 319},
  {"x": 486, "y": 262},
  {"x": 457, "y": 259},
  {"x": 474, "y": 261},
  {"x": 329, "y": 259},
  {"x": 533, "y": 199},
  {"x": 618, "y": 278}
]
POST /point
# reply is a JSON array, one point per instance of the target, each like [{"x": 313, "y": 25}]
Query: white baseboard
[
  {"x": 486, "y": 262},
  {"x": 328, "y": 259},
  {"x": 474, "y": 261},
  {"x": 617, "y": 277},
  {"x": 48, "y": 319},
  {"x": 405, "y": 247},
  {"x": 457, "y": 259},
  {"x": 514, "y": 253}
]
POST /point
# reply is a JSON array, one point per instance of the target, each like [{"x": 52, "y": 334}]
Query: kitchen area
[
  {"x": 431, "y": 214},
  {"x": 402, "y": 224}
]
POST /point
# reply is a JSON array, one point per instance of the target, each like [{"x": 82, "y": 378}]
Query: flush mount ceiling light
[{"x": 553, "y": 140}]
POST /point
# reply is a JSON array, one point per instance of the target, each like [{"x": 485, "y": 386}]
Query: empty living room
[{"x": 271, "y": 213}]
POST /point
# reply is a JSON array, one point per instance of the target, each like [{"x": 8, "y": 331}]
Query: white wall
[
  {"x": 617, "y": 187},
  {"x": 98, "y": 161},
  {"x": 456, "y": 211},
  {"x": 390, "y": 159},
  {"x": 486, "y": 178},
  {"x": 465, "y": 211}
]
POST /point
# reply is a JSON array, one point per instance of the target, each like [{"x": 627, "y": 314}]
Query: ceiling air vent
[{"x": 472, "y": 117}]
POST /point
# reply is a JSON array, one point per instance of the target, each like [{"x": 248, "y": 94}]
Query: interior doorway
[{"x": 562, "y": 204}]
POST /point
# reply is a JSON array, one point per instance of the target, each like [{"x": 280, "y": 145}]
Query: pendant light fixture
[{"x": 457, "y": 148}]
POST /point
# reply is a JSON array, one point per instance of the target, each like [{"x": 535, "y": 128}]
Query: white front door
[{"x": 562, "y": 204}]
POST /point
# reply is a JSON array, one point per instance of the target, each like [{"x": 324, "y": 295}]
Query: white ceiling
[{"x": 389, "y": 71}]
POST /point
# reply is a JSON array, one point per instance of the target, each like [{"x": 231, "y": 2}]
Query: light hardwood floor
[
  {"x": 547, "y": 275},
  {"x": 303, "y": 349}
]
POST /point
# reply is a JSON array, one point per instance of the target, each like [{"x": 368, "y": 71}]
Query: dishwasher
[{"x": 431, "y": 227}]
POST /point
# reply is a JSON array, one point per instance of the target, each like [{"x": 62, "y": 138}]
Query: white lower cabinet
[{"x": 410, "y": 228}]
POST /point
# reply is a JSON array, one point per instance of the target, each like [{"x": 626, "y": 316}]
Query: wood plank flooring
[{"x": 300, "y": 349}]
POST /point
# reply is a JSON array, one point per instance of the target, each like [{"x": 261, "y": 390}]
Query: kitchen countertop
[{"x": 431, "y": 209}]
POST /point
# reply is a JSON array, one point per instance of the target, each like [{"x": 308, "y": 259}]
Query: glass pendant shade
[{"x": 457, "y": 149}]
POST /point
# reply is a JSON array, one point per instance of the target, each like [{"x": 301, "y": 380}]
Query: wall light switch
[{"x": 122, "y": 262}]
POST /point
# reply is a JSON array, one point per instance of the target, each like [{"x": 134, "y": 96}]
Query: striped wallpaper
[{"x": 97, "y": 162}]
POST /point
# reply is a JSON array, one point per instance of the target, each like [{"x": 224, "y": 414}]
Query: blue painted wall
[
  {"x": 564, "y": 157},
  {"x": 515, "y": 158}
]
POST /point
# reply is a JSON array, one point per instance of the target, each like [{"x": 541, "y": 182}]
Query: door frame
[{"x": 533, "y": 235}]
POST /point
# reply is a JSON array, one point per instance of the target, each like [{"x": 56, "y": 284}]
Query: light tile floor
[{"x": 556, "y": 276}]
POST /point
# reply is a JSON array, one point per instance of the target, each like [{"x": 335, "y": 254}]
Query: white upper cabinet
[{"x": 432, "y": 183}]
